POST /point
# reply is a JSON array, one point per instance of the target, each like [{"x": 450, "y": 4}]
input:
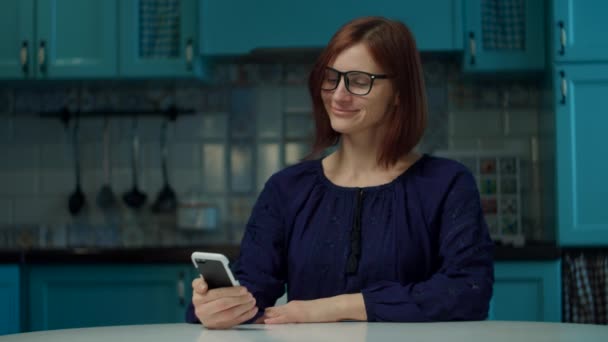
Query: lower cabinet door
[
  {"x": 9, "y": 298},
  {"x": 527, "y": 291},
  {"x": 99, "y": 295}
]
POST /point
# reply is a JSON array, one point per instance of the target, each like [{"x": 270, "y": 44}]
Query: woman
[{"x": 374, "y": 231}]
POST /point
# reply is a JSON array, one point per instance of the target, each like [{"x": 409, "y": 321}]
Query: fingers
[
  {"x": 247, "y": 315},
  {"x": 199, "y": 286},
  {"x": 260, "y": 320},
  {"x": 237, "y": 311},
  {"x": 279, "y": 319},
  {"x": 274, "y": 315},
  {"x": 226, "y": 303},
  {"x": 233, "y": 291},
  {"x": 230, "y": 317},
  {"x": 271, "y": 312},
  {"x": 276, "y": 320},
  {"x": 222, "y": 308}
]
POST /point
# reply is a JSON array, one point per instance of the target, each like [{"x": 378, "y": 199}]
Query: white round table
[{"x": 487, "y": 331}]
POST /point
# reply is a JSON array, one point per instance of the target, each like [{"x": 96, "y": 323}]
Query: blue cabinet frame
[{"x": 527, "y": 291}]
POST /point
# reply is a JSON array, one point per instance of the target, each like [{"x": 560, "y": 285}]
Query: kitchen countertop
[
  {"x": 532, "y": 252},
  {"x": 537, "y": 252},
  {"x": 10, "y": 257},
  {"x": 495, "y": 331}
]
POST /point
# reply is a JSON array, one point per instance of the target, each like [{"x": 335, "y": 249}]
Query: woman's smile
[{"x": 343, "y": 112}]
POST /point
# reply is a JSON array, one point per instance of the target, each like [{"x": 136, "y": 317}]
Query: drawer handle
[
  {"x": 189, "y": 53},
  {"x": 23, "y": 55},
  {"x": 562, "y": 38},
  {"x": 42, "y": 56},
  {"x": 181, "y": 289},
  {"x": 564, "y": 87},
  {"x": 472, "y": 48}
]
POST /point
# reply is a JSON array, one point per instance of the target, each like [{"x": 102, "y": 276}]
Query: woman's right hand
[{"x": 222, "y": 308}]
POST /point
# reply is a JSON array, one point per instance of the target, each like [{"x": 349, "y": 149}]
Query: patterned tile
[
  {"x": 27, "y": 101},
  {"x": 17, "y": 157},
  {"x": 6, "y": 212}
]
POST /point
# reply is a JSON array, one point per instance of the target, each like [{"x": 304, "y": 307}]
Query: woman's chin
[
  {"x": 343, "y": 125},
  {"x": 343, "y": 129}
]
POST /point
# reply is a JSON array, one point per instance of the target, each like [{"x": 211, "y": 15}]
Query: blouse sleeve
[
  {"x": 261, "y": 266},
  {"x": 461, "y": 288}
]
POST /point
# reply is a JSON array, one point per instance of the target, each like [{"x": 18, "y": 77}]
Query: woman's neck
[
  {"x": 355, "y": 164},
  {"x": 358, "y": 154}
]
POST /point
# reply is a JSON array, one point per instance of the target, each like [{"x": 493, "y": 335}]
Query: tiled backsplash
[{"x": 253, "y": 120}]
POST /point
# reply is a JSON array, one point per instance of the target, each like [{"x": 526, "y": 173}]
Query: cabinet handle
[
  {"x": 181, "y": 289},
  {"x": 42, "y": 56},
  {"x": 564, "y": 87},
  {"x": 562, "y": 38},
  {"x": 472, "y": 47},
  {"x": 23, "y": 57},
  {"x": 189, "y": 54}
]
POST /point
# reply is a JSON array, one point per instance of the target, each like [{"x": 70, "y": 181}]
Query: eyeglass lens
[{"x": 358, "y": 83}]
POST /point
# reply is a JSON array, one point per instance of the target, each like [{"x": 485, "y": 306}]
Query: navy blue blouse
[{"x": 417, "y": 248}]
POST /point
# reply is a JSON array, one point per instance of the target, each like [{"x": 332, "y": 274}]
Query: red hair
[{"x": 393, "y": 48}]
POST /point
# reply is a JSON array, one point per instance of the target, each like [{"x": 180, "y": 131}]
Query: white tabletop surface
[{"x": 492, "y": 331}]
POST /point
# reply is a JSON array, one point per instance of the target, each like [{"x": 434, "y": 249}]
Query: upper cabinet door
[
  {"x": 233, "y": 27},
  {"x": 158, "y": 38},
  {"x": 581, "y": 125},
  {"x": 579, "y": 30},
  {"x": 504, "y": 35},
  {"x": 16, "y": 39},
  {"x": 76, "y": 38}
]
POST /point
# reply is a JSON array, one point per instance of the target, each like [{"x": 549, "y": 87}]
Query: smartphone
[{"x": 213, "y": 268}]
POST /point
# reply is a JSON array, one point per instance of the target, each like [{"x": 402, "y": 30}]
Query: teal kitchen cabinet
[
  {"x": 527, "y": 291},
  {"x": 16, "y": 39},
  {"x": 97, "y": 295},
  {"x": 234, "y": 27},
  {"x": 579, "y": 31},
  {"x": 76, "y": 38},
  {"x": 158, "y": 40},
  {"x": 501, "y": 36},
  {"x": 58, "y": 39},
  {"x": 581, "y": 124},
  {"x": 10, "y": 299}
]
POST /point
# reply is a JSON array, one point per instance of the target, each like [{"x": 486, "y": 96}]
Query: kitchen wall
[{"x": 250, "y": 121}]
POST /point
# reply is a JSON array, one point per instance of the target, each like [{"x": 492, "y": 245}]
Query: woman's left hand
[
  {"x": 297, "y": 311},
  {"x": 332, "y": 309}
]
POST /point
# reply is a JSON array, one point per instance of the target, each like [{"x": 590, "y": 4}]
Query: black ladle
[
  {"x": 77, "y": 199},
  {"x": 106, "y": 198},
  {"x": 134, "y": 198},
  {"x": 166, "y": 201}
]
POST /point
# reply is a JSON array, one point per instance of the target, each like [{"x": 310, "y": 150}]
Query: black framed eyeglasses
[{"x": 356, "y": 82}]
